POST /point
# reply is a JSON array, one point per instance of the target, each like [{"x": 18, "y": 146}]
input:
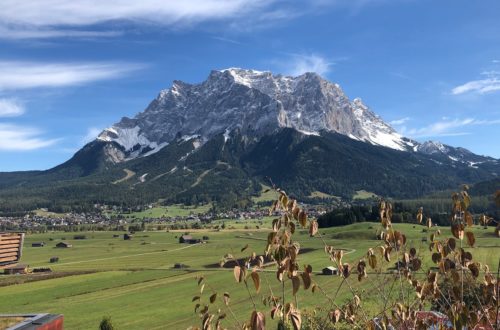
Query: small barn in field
[
  {"x": 63, "y": 245},
  {"x": 188, "y": 239},
  {"x": 53, "y": 260},
  {"x": 185, "y": 238},
  {"x": 180, "y": 266},
  {"x": 16, "y": 269},
  {"x": 330, "y": 270},
  {"x": 38, "y": 244}
]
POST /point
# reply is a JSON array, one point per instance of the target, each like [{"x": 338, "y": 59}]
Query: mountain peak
[
  {"x": 307, "y": 103},
  {"x": 256, "y": 103}
]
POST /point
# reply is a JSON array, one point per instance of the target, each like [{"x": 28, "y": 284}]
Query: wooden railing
[{"x": 11, "y": 248}]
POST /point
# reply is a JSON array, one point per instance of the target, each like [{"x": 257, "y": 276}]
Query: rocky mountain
[
  {"x": 219, "y": 140},
  {"x": 254, "y": 102},
  {"x": 258, "y": 103}
]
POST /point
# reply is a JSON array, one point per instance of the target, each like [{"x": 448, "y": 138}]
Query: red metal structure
[{"x": 36, "y": 322}]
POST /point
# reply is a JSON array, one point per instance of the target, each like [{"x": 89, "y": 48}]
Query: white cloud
[
  {"x": 300, "y": 64},
  {"x": 28, "y": 19},
  {"x": 446, "y": 127},
  {"x": 49, "y": 18},
  {"x": 10, "y": 108},
  {"x": 25, "y": 75},
  {"x": 481, "y": 86},
  {"x": 92, "y": 133},
  {"x": 22, "y": 138},
  {"x": 399, "y": 121}
]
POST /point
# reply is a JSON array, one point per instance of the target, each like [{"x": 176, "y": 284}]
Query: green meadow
[
  {"x": 176, "y": 210},
  {"x": 134, "y": 282}
]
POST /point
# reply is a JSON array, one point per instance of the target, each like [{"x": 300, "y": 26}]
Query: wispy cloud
[
  {"x": 481, "y": 86},
  {"x": 299, "y": 64},
  {"x": 399, "y": 121},
  {"x": 18, "y": 33},
  {"x": 10, "y": 108},
  {"x": 30, "y": 19},
  {"x": 54, "y": 18},
  {"x": 22, "y": 138},
  {"x": 25, "y": 75},
  {"x": 228, "y": 40},
  {"x": 446, "y": 127}
]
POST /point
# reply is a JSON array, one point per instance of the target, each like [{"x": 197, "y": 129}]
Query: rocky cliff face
[
  {"x": 258, "y": 103},
  {"x": 254, "y": 102}
]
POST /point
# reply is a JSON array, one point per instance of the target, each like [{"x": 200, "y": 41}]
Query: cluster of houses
[
  {"x": 101, "y": 220},
  {"x": 32, "y": 222}
]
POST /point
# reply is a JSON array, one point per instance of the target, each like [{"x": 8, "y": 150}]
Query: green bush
[{"x": 106, "y": 324}]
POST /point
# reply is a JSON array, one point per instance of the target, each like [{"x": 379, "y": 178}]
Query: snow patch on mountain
[
  {"x": 375, "y": 130},
  {"x": 126, "y": 137}
]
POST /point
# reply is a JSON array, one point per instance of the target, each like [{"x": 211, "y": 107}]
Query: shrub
[
  {"x": 464, "y": 290},
  {"x": 106, "y": 324}
]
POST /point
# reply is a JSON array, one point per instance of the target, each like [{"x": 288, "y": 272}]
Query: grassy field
[
  {"x": 134, "y": 281},
  {"x": 168, "y": 211},
  {"x": 320, "y": 194},
  {"x": 267, "y": 194},
  {"x": 363, "y": 194}
]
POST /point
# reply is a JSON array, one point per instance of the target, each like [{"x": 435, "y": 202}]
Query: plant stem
[
  {"x": 250, "y": 294},
  {"x": 498, "y": 295}
]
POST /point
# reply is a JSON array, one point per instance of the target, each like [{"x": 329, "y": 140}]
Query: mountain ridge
[
  {"x": 216, "y": 142},
  {"x": 258, "y": 103}
]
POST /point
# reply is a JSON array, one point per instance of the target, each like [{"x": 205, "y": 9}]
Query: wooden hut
[
  {"x": 63, "y": 245},
  {"x": 11, "y": 247},
  {"x": 185, "y": 238},
  {"x": 330, "y": 270}
]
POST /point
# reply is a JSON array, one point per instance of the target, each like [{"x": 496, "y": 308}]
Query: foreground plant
[{"x": 457, "y": 285}]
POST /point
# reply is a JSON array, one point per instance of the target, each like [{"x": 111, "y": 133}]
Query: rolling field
[
  {"x": 166, "y": 211},
  {"x": 135, "y": 283}
]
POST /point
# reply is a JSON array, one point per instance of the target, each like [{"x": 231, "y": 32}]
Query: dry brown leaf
[
  {"x": 313, "y": 228},
  {"x": 257, "y": 321},
  {"x": 372, "y": 261},
  {"x": 335, "y": 316},
  {"x": 239, "y": 274},
  {"x": 256, "y": 280},
  {"x": 306, "y": 279},
  {"x": 296, "y": 320},
  {"x": 302, "y": 218},
  {"x": 471, "y": 240},
  {"x": 468, "y": 219}
]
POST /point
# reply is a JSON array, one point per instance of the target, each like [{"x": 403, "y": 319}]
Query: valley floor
[{"x": 134, "y": 281}]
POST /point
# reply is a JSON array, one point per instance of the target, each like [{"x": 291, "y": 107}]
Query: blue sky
[{"x": 68, "y": 69}]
